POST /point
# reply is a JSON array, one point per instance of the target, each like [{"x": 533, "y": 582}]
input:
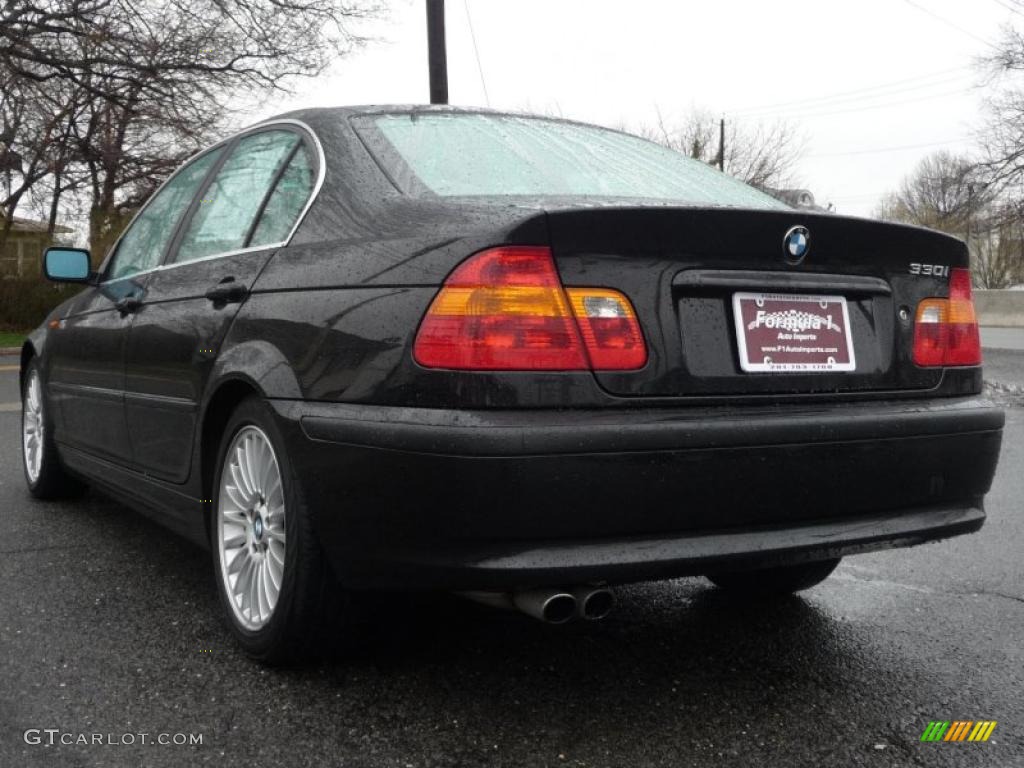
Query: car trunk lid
[{"x": 690, "y": 272}]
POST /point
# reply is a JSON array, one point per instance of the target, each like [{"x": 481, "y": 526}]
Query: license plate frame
[{"x": 793, "y": 333}]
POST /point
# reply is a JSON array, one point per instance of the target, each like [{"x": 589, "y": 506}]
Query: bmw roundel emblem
[{"x": 796, "y": 244}]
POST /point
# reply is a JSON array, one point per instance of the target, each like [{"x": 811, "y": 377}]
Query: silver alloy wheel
[
  {"x": 251, "y": 527},
  {"x": 32, "y": 427}
]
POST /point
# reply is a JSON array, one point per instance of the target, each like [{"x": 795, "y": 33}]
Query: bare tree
[
  {"x": 1002, "y": 138},
  {"x": 35, "y": 129},
  {"x": 134, "y": 86},
  {"x": 166, "y": 47},
  {"x": 952, "y": 193},
  {"x": 944, "y": 192},
  {"x": 763, "y": 155},
  {"x": 1002, "y": 142}
]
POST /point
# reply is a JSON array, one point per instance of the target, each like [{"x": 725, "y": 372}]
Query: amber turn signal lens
[{"x": 502, "y": 309}]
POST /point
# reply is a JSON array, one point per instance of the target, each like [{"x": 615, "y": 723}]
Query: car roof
[
  {"x": 366, "y": 109},
  {"x": 316, "y": 116}
]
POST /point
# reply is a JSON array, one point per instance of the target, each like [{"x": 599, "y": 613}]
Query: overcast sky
[{"x": 873, "y": 85}]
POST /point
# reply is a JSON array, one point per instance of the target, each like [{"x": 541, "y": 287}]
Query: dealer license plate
[{"x": 778, "y": 333}]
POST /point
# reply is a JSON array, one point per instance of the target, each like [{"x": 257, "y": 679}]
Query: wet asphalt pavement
[{"x": 109, "y": 625}]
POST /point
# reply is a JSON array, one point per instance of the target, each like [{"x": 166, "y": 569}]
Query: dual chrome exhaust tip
[{"x": 552, "y": 606}]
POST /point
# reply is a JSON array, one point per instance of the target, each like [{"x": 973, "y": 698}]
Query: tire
[
  {"x": 291, "y": 625},
  {"x": 44, "y": 474},
  {"x": 782, "y": 580}
]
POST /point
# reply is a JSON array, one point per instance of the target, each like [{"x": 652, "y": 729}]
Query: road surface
[{"x": 109, "y": 625}]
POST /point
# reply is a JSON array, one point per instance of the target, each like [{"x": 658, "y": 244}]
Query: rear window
[{"x": 483, "y": 155}]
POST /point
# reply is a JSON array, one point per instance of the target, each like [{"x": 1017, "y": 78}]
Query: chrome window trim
[
  {"x": 321, "y": 173},
  {"x": 211, "y": 257}
]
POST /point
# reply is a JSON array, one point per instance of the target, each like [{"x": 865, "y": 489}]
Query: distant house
[
  {"x": 22, "y": 253},
  {"x": 798, "y": 198}
]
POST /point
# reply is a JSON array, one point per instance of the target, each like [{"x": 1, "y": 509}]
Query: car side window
[
  {"x": 143, "y": 245},
  {"x": 232, "y": 201},
  {"x": 287, "y": 200}
]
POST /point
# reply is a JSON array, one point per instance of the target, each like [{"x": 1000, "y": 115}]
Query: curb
[{"x": 10, "y": 350}]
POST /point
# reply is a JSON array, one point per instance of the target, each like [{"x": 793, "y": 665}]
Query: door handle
[
  {"x": 227, "y": 293},
  {"x": 127, "y": 305}
]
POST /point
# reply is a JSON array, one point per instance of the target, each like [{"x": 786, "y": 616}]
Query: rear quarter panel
[{"x": 342, "y": 313}]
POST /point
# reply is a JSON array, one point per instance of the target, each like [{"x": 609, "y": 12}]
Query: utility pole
[
  {"x": 721, "y": 145},
  {"x": 970, "y": 207},
  {"x": 437, "y": 58}
]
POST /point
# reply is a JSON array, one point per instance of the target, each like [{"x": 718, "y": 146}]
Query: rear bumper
[
  {"x": 408, "y": 497},
  {"x": 497, "y": 565}
]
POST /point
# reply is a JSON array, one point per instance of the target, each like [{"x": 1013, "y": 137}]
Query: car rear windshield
[{"x": 485, "y": 155}]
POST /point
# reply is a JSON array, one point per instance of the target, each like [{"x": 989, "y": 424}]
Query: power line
[
  {"x": 949, "y": 23},
  {"x": 856, "y": 93},
  {"x": 864, "y": 107},
  {"x": 854, "y": 103},
  {"x": 839, "y": 107},
  {"x": 1010, "y": 8},
  {"x": 879, "y": 150},
  {"x": 476, "y": 52}
]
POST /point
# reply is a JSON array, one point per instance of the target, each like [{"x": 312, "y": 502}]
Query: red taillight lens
[
  {"x": 931, "y": 332},
  {"x": 505, "y": 309},
  {"x": 946, "y": 330},
  {"x": 610, "y": 329}
]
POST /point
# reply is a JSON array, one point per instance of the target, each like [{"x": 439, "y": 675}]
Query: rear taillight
[
  {"x": 505, "y": 309},
  {"x": 946, "y": 330},
  {"x": 610, "y": 329}
]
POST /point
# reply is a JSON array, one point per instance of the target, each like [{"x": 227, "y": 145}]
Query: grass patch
[{"x": 11, "y": 339}]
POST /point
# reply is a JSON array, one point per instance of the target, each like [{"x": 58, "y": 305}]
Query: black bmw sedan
[{"x": 524, "y": 359}]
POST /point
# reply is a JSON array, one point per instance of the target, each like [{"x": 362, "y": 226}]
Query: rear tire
[
  {"x": 781, "y": 580},
  {"x": 44, "y": 474},
  {"x": 276, "y": 589}
]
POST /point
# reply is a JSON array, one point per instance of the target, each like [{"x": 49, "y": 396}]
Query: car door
[
  {"x": 86, "y": 352},
  {"x": 245, "y": 211}
]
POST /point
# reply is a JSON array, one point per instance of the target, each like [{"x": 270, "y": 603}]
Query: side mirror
[{"x": 67, "y": 265}]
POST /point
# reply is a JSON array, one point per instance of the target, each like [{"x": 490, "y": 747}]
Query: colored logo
[
  {"x": 796, "y": 243},
  {"x": 792, "y": 320},
  {"x": 958, "y": 730}
]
